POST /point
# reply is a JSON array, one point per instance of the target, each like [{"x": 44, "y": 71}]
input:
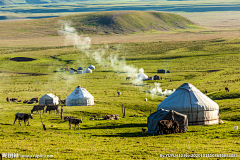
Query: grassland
[{"x": 210, "y": 64}]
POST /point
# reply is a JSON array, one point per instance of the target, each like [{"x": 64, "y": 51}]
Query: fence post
[{"x": 62, "y": 112}]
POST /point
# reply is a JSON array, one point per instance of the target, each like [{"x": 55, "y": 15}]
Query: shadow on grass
[
  {"x": 23, "y": 133},
  {"x": 134, "y": 134},
  {"x": 118, "y": 126},
  {"x": 5, "y": 124}
]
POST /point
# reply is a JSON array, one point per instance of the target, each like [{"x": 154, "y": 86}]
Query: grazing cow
[
  {"x": 34, "y": 100},
  {"x": 175, "y": 127},
  {"x": 8, "y": 99},
  {"x": 62, "y": 101},
  {"x": 14, "y": 99},
  {"x": 26, "y": 101},
  {"x": 111, "y": 117},
  {"x": 52, "y": 107},
  {"x": 37, "y": 108},
  {"x": 165, "y": 126},
  {"x": 22, "y": 116},
  {"x": 226, "y": 89},
  {"x": 30, "y": 102},
  {"x": 74, "y": 121},
  {"x": 129, "y": 78}
]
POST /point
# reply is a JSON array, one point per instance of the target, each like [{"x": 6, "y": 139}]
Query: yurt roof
[
  {"x": 188, "y": 98},
  {"x": 50, "y": 95},
  {"x": 91, "y": 66}
]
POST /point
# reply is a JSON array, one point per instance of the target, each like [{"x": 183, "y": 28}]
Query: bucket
[{"x": 235, "y": 127}]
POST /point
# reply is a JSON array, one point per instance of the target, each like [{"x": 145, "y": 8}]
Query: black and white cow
[{"x": 22, "y": 116}]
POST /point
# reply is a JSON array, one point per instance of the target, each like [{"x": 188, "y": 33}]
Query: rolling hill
[
  {"x": 126, "y": 22},
  {"x": 101, "y": 23}
]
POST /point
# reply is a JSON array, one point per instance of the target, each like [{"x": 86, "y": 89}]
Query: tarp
[
  {"x": 198, "y": 107},
  {"x": 80, "y": 97},
  {"x": 49, "y": 99},
  {"x": 163, "y": 114},
  {"x": 71, "y": 71}
]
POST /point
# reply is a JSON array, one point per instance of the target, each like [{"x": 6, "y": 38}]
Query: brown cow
[
  {"x": 74, "y": 121},
  {"x": 25, "y": 101},
  {"x": 165, "y": 126},
  {"x": 14, "y": 99},
  {"x": 175, "y": 127},
  {"x": 37, "y": 108},
  {"x": 129, "y": 78},
  {"x": 22, "y": 116},
  {"x": 62, "y": 101},
  {"x": 111, "y": 117},
  {"x": 34, "y": 100},
  {"x": 52, "y": 107}
]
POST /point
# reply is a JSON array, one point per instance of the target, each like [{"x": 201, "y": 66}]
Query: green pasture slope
[{"x": 209, "y": 65}]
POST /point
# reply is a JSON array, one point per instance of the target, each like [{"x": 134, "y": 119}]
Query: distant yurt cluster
[{"x": 81, "y": 70}]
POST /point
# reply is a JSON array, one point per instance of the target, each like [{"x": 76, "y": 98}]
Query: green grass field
[{"x": 211, "y": 64}]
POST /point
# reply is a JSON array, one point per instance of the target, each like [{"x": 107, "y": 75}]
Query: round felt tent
[
  {"x": 80, "y": 97},
  {"x": 87, "y": 70},
  {"x": 71, "y": 71},
  {"x": 198, "y": 107},
  {"x": 91, "y": 67},
  {"x": 49, "y": 99},
  {"x": 141, "y": 76}
]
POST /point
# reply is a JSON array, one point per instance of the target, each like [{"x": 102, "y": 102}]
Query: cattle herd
[
  {"x": 165, "y": 126},
  {"x": 15, "y": 100}
]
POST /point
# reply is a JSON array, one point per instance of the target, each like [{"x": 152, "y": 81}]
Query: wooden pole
[
  {"x": 42, "y": 121},
  {"x": 62, "y": 112}
]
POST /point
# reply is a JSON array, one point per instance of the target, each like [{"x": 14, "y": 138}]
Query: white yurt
[
  {"x": 198, "y": 107},
  {"x": 142, "y": 76},
  {"x": 91, "y": 67},
  {"x": 80, "y": 97},
  {"x": 49, "y": 99},
  {"x": 71, "y": 71},
  {"x": 79, "y": 72},
  {"x": 87, "y": 70}
]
